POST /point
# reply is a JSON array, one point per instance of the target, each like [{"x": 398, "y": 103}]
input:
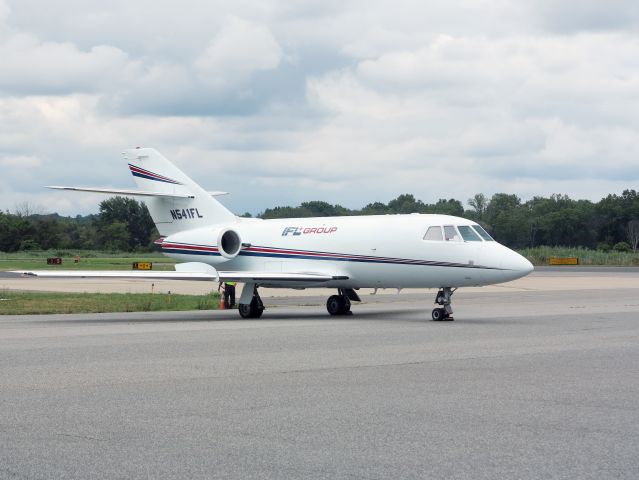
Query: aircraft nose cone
[{"x": 515, "y": 266}]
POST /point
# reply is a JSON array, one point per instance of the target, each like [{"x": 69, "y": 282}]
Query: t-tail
[{"x": 186, "y": 204}]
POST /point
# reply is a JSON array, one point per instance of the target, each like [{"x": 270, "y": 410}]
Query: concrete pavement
[{"x": 526, "y": 383}]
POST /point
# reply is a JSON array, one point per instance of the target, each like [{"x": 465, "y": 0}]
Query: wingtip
[{"x": 22, "y": 273}]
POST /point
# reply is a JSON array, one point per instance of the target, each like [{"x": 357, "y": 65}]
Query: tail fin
[{"x": 152, "y": 172}]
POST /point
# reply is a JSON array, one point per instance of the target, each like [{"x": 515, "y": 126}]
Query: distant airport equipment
[
  {"x": 54, "y": 261},
  {"x": 142, "y": 265},
  {"x": 564, "y": 261},
  {"x": 344, "y": 253}
]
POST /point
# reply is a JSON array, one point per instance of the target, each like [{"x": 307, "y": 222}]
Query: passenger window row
[{"x": 452, "y": 233}]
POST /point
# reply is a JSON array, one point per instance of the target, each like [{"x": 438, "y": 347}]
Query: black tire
[
  {"x": 438, "y": 314},
  {"x": 251, "y": 310},
  {"x": 347, "y": 305},
  {"x": 335, "y": 305},
  {"x": 245, "y": 310}
]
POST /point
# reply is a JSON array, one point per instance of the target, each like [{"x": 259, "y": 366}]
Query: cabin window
[
  {"x": 468, "y": 234},
  {"x": 450, "y": 234},
  {"x": 434, "y": 233},
  {"x": 483, "y": 233}
]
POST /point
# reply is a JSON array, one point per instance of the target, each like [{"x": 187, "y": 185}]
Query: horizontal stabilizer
[{"x": 133, "y": 193}]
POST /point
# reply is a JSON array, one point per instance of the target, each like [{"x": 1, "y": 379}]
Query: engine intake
[{"x": 229, "y": 243}]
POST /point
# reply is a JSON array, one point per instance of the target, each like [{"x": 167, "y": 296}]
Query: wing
[
  {"x": 241, "y": 277},
  {"x": 270, "y": 278},
  {"x": 148, "y": 275},
  {"x": 190, "y": 271},
  {"x": 276, "y": 277}
]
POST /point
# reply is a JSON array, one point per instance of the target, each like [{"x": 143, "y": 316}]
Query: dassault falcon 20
[{"x": 345, "y": 253}]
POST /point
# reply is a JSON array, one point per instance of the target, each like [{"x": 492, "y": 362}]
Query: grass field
[
  {"x": 541, "y": 256},
  {"x": 89, "y": 260},
  {"x": 95, "y": 260},
  {"x": 24, "y": 303}
]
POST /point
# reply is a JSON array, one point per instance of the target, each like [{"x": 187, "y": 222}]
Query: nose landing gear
[{"x": 443, "y": 298}]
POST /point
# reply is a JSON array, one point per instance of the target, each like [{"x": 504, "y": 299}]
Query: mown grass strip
[
  {"x": 26, "y": 303},
  {"x": 541, "y": 256},
  {"x": 89, "y": 260}
]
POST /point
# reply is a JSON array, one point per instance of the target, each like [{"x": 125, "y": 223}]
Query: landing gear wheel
[
  {"x": 443, "y": 298},
  {"x": 340, "y": 304},
  {"x": 335, "y": 305},
  {"x": 245, "y": 310},
  {"x": 347, "y": 306},
  {"x": 438, "y": 314},
  {"x": 253, "y": 309}
]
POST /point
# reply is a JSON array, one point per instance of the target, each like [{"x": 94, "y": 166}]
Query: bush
[
  {"x": 621, "y": 247},
  {"x": 603, "y": 246},
  {"x": 29, "y": 244}
]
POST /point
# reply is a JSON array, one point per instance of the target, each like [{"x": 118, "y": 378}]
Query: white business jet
[{"x": 345, "y": 253}]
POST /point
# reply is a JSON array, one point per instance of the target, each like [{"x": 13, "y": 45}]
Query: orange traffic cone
[{"x": 222, "y": 305}]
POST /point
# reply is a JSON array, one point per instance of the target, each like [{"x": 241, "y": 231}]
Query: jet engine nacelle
[
  {"x": 208, "y": 245},
  {"x": 229, "y": 243}
]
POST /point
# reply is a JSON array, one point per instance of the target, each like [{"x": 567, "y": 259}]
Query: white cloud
[
  {"x": 586, "y": 15},
  {"x": 349, "y": 102},
  {"x": 4, "y": 14},
  {"x": 31, "y": 66},
  {"x": 20, "y": 161},
  {"x": 239, "y": 49}
]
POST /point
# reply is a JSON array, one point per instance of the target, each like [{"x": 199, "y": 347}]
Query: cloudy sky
[{"x": 346, "y": 101}]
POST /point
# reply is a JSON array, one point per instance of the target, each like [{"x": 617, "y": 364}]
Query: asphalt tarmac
[{"x": 523, "y": 384}]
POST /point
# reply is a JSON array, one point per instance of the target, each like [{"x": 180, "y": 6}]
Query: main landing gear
[
  {"x": 444, "y": 298},
  {"x": 340, "y": 304},
  {"x": 251, "y": 306}
]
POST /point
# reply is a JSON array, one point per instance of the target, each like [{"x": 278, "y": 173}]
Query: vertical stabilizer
[{"x": 154, "y": 173}]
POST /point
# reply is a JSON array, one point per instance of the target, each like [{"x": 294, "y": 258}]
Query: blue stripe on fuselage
[
  {"x": 386, "y": 261},
  {"x": 364, "y": 260}
]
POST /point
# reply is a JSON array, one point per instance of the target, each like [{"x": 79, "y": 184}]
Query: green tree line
[
  {"x": 124, "y": 224},
  {"x": 557, "y": 220}
]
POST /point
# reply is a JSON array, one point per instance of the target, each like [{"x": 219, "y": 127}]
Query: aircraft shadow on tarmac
[{"x": 406, "y": 315}]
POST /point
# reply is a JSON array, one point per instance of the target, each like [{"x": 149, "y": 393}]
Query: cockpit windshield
[
  {"x": 468, "y": 234},
  {"x": 450, "y": 234},
  {"x": 483, "y": 233},
  {"x": 457, "y": 233}
]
